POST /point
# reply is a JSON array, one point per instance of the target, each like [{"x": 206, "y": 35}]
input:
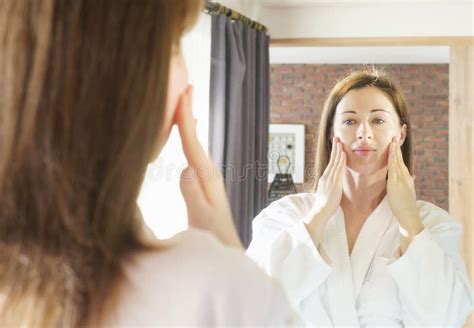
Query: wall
[
  {"x": 370, "y": 19},
  {"x": 298, "y": 92},
  {"x": 359, "y": 18}
]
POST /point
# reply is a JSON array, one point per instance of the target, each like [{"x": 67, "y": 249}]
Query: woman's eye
[
  {"x": 378, "y": 121},
  {"x": 348, "y": 122}
]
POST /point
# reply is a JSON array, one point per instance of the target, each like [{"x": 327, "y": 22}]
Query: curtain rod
[{"x": 215, "y": 8}]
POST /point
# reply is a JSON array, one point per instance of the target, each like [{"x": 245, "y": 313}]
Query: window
[{"x": 160, "y": 199}]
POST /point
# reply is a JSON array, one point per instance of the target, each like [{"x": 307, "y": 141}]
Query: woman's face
[{"x": 366, "y": 122}]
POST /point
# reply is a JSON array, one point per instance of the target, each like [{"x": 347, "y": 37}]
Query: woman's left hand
[{"x": 401, "y": 192}]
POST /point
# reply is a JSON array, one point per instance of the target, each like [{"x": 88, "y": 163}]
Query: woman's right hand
[
  {"x": 328, "y": 194},
  {"x": 201, "y": 183}
]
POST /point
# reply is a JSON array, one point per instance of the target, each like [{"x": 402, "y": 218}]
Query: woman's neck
[{"x": 363, "y": 192}]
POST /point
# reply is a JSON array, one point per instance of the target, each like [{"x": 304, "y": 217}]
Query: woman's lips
[{"x": 363, "y": 151}]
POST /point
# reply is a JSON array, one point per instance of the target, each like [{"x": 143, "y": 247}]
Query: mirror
[{"x": 301, "y": 78}]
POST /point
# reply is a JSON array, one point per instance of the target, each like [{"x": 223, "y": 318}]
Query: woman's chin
[{"x": 365, "y": 169}]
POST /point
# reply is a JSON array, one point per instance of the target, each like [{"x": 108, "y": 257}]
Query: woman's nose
[{"x": 364, "y": 132}]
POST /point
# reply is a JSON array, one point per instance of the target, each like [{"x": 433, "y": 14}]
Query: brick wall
[{"x": 298, "y": 92}]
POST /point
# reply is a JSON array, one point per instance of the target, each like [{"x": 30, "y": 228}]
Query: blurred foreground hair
[{"x": 83, "y": 88}]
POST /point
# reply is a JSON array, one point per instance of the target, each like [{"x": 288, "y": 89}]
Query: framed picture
[{"x": 286, "y": 151}]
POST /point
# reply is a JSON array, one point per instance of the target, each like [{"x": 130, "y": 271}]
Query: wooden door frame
[{"x": 374, "y": 41}]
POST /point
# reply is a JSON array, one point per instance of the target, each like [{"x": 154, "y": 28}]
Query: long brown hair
[
  {"x": 83, "y": 88},
  {"x": 359, "y": 79}
]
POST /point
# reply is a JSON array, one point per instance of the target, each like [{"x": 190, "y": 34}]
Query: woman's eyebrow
[
  {"x": 348, "y": 112},
  {"x": 379, "y": 110},
  {"x": 372, "y": 111}
]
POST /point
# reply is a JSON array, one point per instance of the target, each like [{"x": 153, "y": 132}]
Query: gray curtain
[{"x": 239, "y": 116}]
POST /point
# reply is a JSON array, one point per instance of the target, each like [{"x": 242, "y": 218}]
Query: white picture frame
[{"x": 286, "y": 139}]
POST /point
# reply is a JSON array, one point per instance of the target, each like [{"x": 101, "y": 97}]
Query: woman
[
  {"x": 361, "y": 250},
  {"x": 89, "y": 90}
]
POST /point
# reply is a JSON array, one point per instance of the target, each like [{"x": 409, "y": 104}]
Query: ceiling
[{"x": 357, "y": 18}]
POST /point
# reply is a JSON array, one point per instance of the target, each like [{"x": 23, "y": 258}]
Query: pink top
[{"x": 198, "y": 281}]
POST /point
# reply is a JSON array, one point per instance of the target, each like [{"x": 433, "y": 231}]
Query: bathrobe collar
[
  {"x": 370, "y": 236},
  {"x": 350, "y": 272}
]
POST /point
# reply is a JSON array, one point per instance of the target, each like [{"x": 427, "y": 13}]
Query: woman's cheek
[
  {"x": 178, "y": 82},
  {"x": 345, "y": 147},
  {"x": 345, "y": 136},
  {"x": 385, "y": 154}
]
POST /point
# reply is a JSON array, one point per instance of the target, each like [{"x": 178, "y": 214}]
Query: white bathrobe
[{"x": 375, "y": 285}]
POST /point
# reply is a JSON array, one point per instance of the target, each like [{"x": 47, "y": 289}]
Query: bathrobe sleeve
[
  {"x": 434, "y": 288},
  {"x": 281, "y": 243}
]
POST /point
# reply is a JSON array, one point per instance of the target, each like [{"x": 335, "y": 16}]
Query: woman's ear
[{"x": 403, "y": 134}]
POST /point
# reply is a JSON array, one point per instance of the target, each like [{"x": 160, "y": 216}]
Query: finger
[
  {"x": 335, "y": 169},
  {"x": 333, "y": 154},
  {"x": 191, "y": 190},
  {"x": 392, "y": 169},
  {"x": 398, "y": 149},
  {"x": 341, "y": 166},
  {"x": 336, "y": 183},
  {"x": 331, "y": 158},
  {"x": 337, "y": 158},
  {"x": 195, "y": 154},
  {"x": 207, "y": 174},
  {"x": 396, "y": 160},
  {"x": 403, "y": 167}
]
